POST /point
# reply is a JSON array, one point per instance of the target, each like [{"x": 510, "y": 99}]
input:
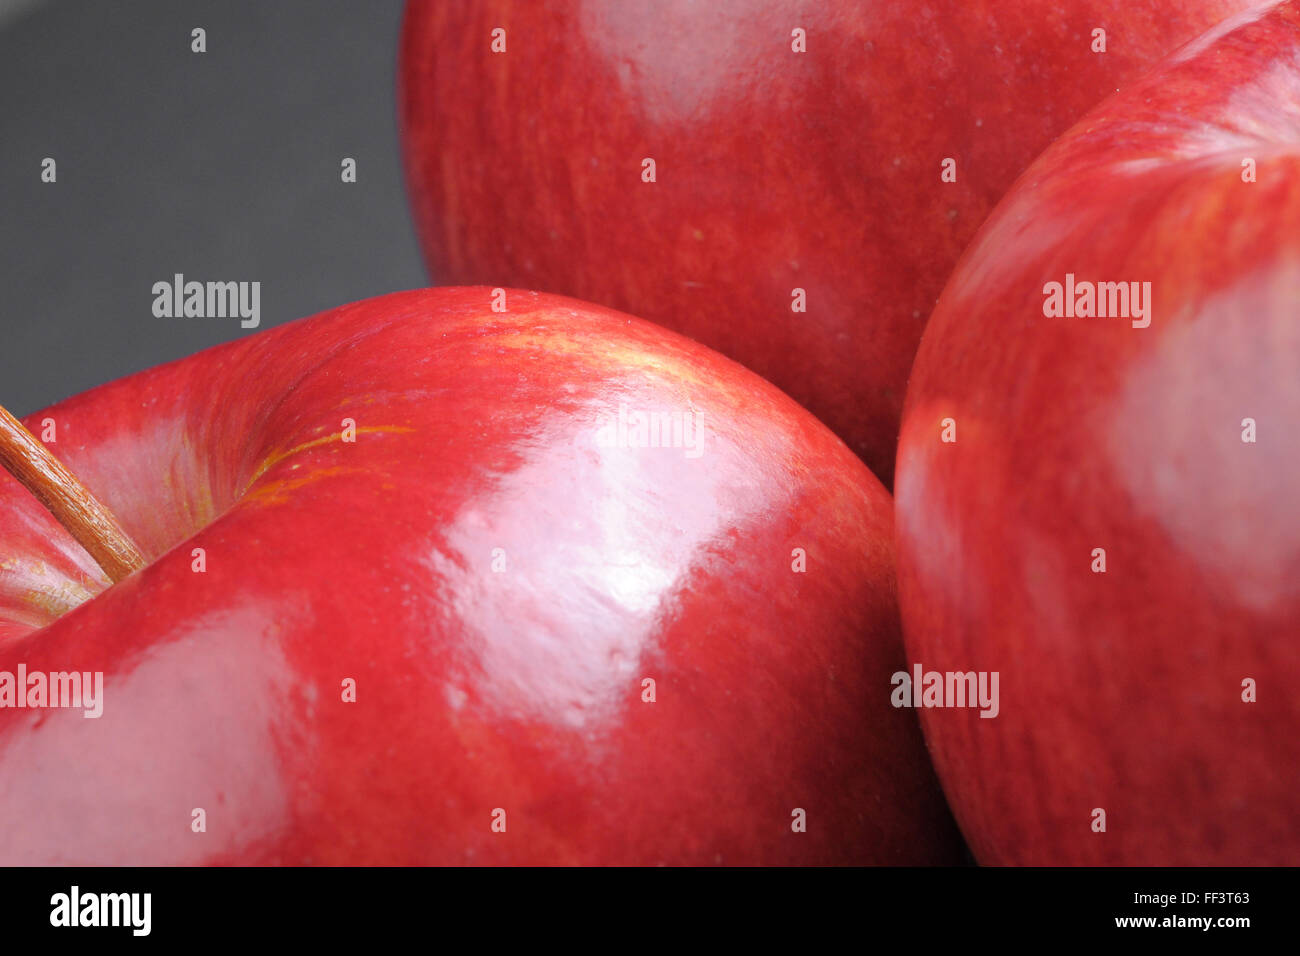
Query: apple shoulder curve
[{"x": 460, "y": 576}]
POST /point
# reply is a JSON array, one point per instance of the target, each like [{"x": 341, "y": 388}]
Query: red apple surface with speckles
[
  {"x": 418, "y": 567},
  {"x": 775, "y": 170},
  {"x": 1102, "y": 508}
]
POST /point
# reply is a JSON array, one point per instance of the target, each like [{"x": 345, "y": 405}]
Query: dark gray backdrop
[{"x": 222, "y": 166}]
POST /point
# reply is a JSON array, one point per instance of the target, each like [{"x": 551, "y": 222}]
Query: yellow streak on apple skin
[
  {"x": 49, "y": 593},
  {"x": 55, "y": 602},
  {"x": 592, "y": 350},
  {"x": 276, "y": 457},
  {"x": 670, "y": 368},
  {"x": 275, "y": 492},
  {"x": 198, "y": 499}
]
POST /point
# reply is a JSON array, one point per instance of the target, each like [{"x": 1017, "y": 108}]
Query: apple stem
[{"x": 93, "y": 525}]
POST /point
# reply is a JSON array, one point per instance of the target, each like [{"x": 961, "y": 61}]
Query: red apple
[
  {"x": 774, "y": 170},
  {"x": 1115, "y": 528},
  {"x": 500, "y": 566}
]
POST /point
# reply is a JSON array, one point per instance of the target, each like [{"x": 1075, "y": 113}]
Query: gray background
[{"x": 223, "y": 166}]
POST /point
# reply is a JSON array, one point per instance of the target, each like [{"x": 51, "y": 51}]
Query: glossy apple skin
[
  {"x": 1123, "y": 690},
  {"x": 775, "y": 170},
  {"x": 477, "y": 689}
]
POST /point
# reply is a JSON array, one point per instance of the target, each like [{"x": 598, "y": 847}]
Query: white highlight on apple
[
  {"x": 924, "y": 688},
  {"x": 55, "y": 689},
  {"x": 633, "y": 428}
]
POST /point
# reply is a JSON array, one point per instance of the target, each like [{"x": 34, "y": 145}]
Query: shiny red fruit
[
  {"x": 500, "y": 565},
  {"x": 775, "y": 170},
  {"x": 1115, "y": 528}
]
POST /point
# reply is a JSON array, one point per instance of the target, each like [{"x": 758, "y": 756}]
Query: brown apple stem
[{"x": 94, "y": 526}]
